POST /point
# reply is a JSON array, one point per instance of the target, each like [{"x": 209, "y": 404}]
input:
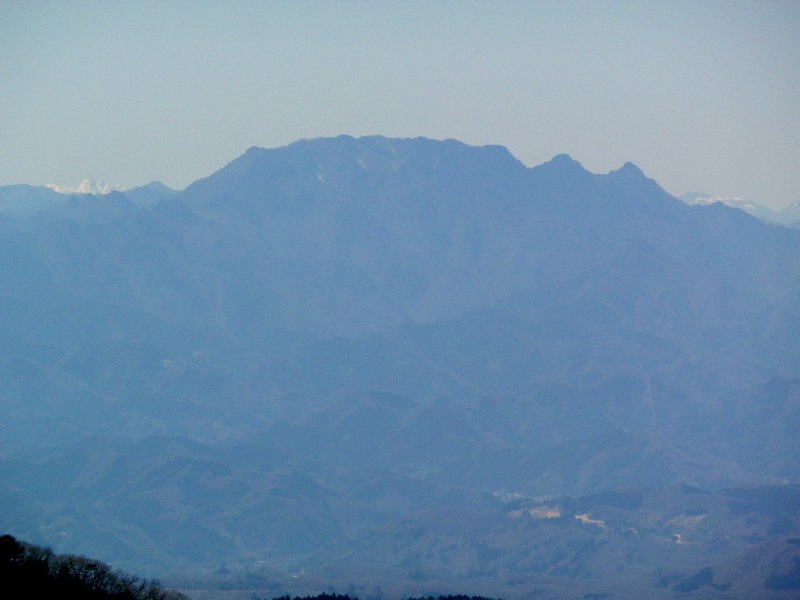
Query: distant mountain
[
  {"x": 88, "y": 186},
  {"x": 27, "y": 200},
  {"x": 787, "y": 216},
  {"x": 325, "y": 347},
  {"x": 149, "y": 194}
]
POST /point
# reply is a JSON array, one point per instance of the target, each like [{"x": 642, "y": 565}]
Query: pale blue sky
[{"x": 701, "y": 95}]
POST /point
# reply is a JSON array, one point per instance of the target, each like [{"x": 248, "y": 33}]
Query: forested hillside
[{"x": 30, "y": 571}]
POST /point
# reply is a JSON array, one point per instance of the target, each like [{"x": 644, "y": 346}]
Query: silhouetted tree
[{"x": 29, "y": 571}]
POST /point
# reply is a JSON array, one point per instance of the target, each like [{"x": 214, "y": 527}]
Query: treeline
[
  {"x": 30, "y": 571},
  {"x": 456, "y": 597},
  {"x": 325, "y": 596}
]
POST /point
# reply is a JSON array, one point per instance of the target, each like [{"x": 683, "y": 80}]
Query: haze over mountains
[{"x": 376, "y": 355}]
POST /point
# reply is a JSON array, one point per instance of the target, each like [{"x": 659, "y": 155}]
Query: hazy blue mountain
[
  {"x": 25, "y": 200},
  {"x": 789, "y": 215},
  {"x": 28, "y": 200},
  {"x": 148, "y": 194},
  {"x": 320, "y": 348}
]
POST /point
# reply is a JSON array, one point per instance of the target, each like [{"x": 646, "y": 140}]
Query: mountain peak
[
  {"x": 631, "y": 175},
  {"x": 87, "y": 186},
  {"x": 561, "y": 165},
  {"x": 564, "y": 161},
  {"x": 629, "y": 170}
]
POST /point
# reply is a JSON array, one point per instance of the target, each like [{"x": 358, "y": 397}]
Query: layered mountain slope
[{"x": 418, "y": 320}]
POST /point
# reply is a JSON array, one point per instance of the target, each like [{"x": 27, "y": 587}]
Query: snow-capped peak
[
  {"x": 787, "y": 216},
  {"x": 88, "y": 186}
]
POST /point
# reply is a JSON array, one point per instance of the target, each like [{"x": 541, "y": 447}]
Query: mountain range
[
  {"x": 789, "y": 215},
  {"x": 352, "y": 358},
  {"x": 27, "y": 200}
]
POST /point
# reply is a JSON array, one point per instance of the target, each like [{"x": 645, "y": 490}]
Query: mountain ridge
[{"x": 336, "y": 339}]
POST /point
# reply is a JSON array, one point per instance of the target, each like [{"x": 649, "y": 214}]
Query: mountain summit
[{"x": 88, "y": 186}]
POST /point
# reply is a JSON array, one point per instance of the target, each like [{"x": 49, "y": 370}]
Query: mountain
[
  {"x": 149, "y": 194},
  {"x": 24, "y": 200},
  {"x": 789, "y": 215},
  {"x": 28, "y": 200},
  {"x": 320, "y": 353},
  {"x": 88, "y": 186}
]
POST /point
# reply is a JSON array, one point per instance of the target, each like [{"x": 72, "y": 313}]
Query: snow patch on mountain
[{"x": 88, "y": 186}]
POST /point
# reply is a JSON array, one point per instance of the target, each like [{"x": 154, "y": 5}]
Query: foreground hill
[
  {"x": 29, "y": 571},
  {"x": 319, "y": 342}
]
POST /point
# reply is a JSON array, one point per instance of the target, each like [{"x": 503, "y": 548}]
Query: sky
[{"x": 703, "y": 96}]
